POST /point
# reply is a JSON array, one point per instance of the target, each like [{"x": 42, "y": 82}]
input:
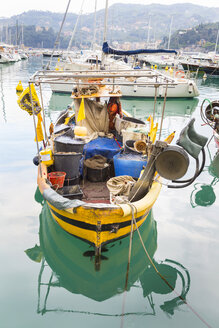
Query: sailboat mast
[
  {"x": 22, "y": 34},
  {"x": 149, "y": 23},
  {"x": 168, "y": 47},
  {"x": 215, "y": 49},
  {"x": 75, "y": 28},
  {"x": 104, "y": 33},
  {"x": 105, "y": 21},
  {"x": 94, "y": 37}
]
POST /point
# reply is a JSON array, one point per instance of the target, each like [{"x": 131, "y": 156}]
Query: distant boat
[
  {"x": 50, "y": 53},
  {"x": 145, "y": 83},
  {"x": 204, "y": 67},
  {"x": 142, "y": 83},
  {"x": 8, "y": 54}
]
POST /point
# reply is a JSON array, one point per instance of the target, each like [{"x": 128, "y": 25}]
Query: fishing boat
[
  {"x": 95, "y": 219},
  {"x": 121, "y": 165}
]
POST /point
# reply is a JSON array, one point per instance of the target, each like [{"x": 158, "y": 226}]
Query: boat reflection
[
  {"x": 2, "y": 96},
  {"x": 176, "y": 114},
  {"x": 137, "y": 106},
  {"x": 68, "y": 263},
  {"x": 203, "y": 194},
  {"x": 142, "y": 107},
  {"x": 209, "y": 81},
  {"x": 59, "y": 101}
]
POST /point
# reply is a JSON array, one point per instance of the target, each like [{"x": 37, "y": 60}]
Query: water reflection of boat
[
  {"x": 72, "y": 260},
  {"x": 2, "y": 96},
  {"x": 71, "y": 266},
  {"x": 173, "y": 107},
  {"x": 203, "y": 194},
  {"x": 210, "y": 81},
  {"x": 138, "y": 107},
  {"x": 59, "y": 101},
  {"x": 177, "y": 111}
]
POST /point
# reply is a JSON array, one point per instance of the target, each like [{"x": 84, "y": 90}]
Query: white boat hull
[
  {"x": 184, "y": 90},
  {"x": 181, "y": 90},
  {"x": 62, "y": 88}
]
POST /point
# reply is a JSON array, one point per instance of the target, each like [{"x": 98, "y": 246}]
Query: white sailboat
[{"x": 149, "y": 83}]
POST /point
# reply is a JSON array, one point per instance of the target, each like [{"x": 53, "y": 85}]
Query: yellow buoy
[
  {"x": 155, "y": 66},
  {"x": 19, "y": 87},
  {"x": 166, "y": 68},
  {"x": 46, "y": 156}
]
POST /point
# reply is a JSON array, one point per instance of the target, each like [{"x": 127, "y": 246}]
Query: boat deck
[{"x": 95, "y": 192}]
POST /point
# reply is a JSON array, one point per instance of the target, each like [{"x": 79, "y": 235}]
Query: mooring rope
[{"x": 162, "y": 277}]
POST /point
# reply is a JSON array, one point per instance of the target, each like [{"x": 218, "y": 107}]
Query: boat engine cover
[{"x": 172, "y": 163}]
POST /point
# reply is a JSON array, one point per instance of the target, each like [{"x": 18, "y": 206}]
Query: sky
[{"x": 17, "y": 7}]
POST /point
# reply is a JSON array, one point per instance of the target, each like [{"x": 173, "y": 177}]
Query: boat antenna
[
  {"x": 58, "y": 36},
  {"x": 163, "y": 110}
]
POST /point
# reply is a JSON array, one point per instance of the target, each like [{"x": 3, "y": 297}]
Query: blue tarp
[
  {"x": 107, "y": 50},
  {"x": 101, "y": 146}
]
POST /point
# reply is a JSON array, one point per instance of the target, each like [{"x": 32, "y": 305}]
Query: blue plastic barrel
[{"x": 128, "y": 164}]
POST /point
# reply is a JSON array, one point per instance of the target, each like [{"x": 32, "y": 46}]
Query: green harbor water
[{"x": 48, "y": 278}]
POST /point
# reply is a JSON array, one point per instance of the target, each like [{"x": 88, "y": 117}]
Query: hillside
[
  {"x": 203, "y": 36},
  {"x": 126, "y": 23}
]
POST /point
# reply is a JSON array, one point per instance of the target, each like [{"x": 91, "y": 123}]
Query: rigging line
[
  {"x": 164, "y": 279},
  {"x": 164, "y": 105},
  {"x": 155, "y": 100},
  {"x": 58, "y": 36},
  {"x": 43, "y": 111},
  {"x": 75, "y": 28},
  {"x": 128, "y": 265},
  {"x": 210, "y": 140}
]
